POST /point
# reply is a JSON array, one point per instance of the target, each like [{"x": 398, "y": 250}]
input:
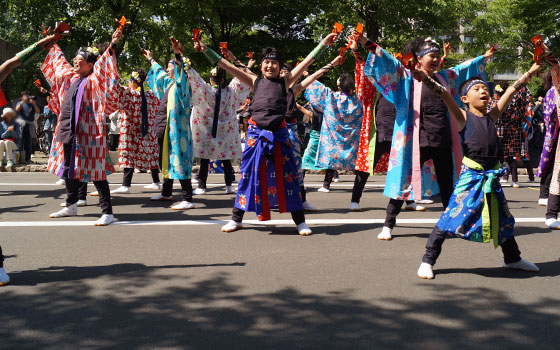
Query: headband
[
  {"x": 471, "y": 84},
  {"x": 90, "y": 54},
  {"x": 270, "y": 56},
  {"x": 428, "y": 50}
]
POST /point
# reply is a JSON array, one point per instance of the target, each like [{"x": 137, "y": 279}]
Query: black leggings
[
  {"x": 553, "y": 206},
  {"x": 443, "y": 163},
  {"x": 129, "y": 172},
  {"x": 330, "y": 174},
  {"x": 237, "y": 215},
  {"x": 546, "y": 177},
  {"x": 513, "y": 165},
  {"x": 1, "y": 257},
  {"x": 202, "y": 174}
]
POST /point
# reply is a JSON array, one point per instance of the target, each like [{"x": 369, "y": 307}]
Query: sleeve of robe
[
  {"x": 105, "y": 79},
  {"x": 388, "y": 75},
  {"x": 183, "y": 89},
  {"x": 549, "y": 116},
  {"x": 317, "y": 94},
  {"x": 240, "y": 90},
  {"x": 158, "y": 80},
  {"x": 59, "y": 74}
]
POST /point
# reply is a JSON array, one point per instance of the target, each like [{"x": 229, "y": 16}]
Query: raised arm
[
  {"x": 236, "y": 62},
  {"x": 294, "y": 75},
  {"x": 297, "y": 89}
]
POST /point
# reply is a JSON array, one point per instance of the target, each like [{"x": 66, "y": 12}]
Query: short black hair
[
  {"x": 141, "y": 73},
  {"x": 346, "y": 83},
  {"x": 273, "y": 51},
  {"x": 25, "y": 92},
  {"x": 412, "y": 46}
]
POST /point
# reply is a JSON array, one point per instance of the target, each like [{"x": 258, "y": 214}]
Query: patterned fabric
[
  {"x": 367, "y": 94},
  {"x": 310, "y": 155},
  {"x": 396, "y": 83},
  {"x": 342, "y": 119},
  {"x": 478, "y": 209},
  {"x": 295, "y": 143},
  {"x": 177, "y": 144},
  {"x": 550, "y": 114},
  {"x": 513, "y": 125},
  {"x": 555, "y": 183},
  {"x": 99, "y": 100},
  {"x": 135, "y": 150},
  {"x": 260, "y": 189},
  {"x": 227, "y": 144}
]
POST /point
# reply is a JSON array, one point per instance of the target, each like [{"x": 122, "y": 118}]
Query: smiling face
[
  {"x": 270, "y": 68},
  {"x": 82, "y": 67},
  {"x": 477, "y": 98},
  {"x": 171, "y": 70},
  {"x": 430, "y": 62}
]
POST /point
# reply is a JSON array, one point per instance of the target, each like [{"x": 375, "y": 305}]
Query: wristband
[
  {"x": 433, "y": 85},
  {"x": 317, "y": 51},
  {"x": 26, "y": 54},
  {"x": 212, "y": 56},
  {"x": 370, "y": 45}
]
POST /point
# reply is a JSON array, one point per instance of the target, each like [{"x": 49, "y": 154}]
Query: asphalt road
[{"x": 171, "y": 280}]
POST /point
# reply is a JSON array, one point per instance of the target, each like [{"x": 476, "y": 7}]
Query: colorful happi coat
[
  {"x": 310, "y": 154},
  {"x": 135, "y": 150},
  {"x": 177, "y": 144},
  {"x": 340, "y": 131},
  {"x": 550, "y": 115},
  {"x": 513, "y": 125},
  {"x": 405, "y": 178},
  {"x": 269, "y": 174},
  {"x": 227, "y": 143},
  {"x": 478, "y": 209},
  {"x": 99, "y": 99}
]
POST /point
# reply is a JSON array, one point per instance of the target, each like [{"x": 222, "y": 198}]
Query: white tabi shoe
[
  {"x": 385, "y": 234},
  {"x": 415, "y": 207},
  {"x": 121, "y": 190},
  {"x": 194, "y": 181},
  {"x": 355, "y": 206},
  {"x": 81, "y": 203},
  {"x": 229, "y": 190},
  {"x": 60, "y": 182},
  {"x": 4, "y": 278},
  {"x": 184, "y": 205},
  {"x": 553, "y": 224},
  {"x": 324, "y": 189},
  {"x": 336, "y": 179},
  {"x": 543, "y": 202},
  {"x": 153, "y": 186},
  {"x": 426, "y": 271},
  {"x": 515, "y": 185},
  {"x": 308, "y": 207},
  {"x": 199, "y": 191},
  {"x": 522, "y": 265},
  {"x": 425, "y": 201},
  {"x": 94, "y": 194},
  {"x": 105, "y": 219},
  {"x": 161, "y": 197},
  {"x": 303, "y": 229},
  {"x": 71, "y": 210},
  {"x": 232, "y": 226}
]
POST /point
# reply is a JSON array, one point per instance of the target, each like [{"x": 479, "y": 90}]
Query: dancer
[
  {"x": 375, "y": 135},
  {"x": 214, "y": 122},
  {"x": 138, "y": 148},
  {"x": 79, "y": 152},
  {"x": 478, "y": 209},
  {"x": 268, "y": 157},
  {"x": 545, "y": 168},
  {"x": 422, "y": 132},
  {"x": 173, "y": 125}
]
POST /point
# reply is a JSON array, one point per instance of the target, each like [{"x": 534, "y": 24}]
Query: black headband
[
  {"x": 270, "y": 56},
  {"x": 428, "y": 50},
  {"x": 471, "y": 84}
]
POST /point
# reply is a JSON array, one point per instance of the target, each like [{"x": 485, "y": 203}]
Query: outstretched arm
[
  {"x": 297, "y": 89},
  {"x": 294, "y": 75},
  {"x": 237, "y": 63}
]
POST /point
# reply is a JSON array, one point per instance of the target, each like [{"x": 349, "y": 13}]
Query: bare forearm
[{"x": 7, "y": 67}]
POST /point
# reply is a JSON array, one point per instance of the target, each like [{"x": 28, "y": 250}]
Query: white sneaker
[
  {"x": 522, "y": 265},
  {"x": 308, "y": 207},
  {"x": 81, "y": 203},
  {"x": 121, "y": 190},
  {"x": 194, "y": 181},
  {"x": 198, "y": 191},
  {"x": 303, "y": 229},
  {"x": 515, "y": 185},
  {"x": 355, "y": 206},
  {"x": 105, "y": 219},
  {"x": 503, "y": 181},
  {"x": 10, "y": 164},
  {"x": 415, "y": 207},
  {"x": 137, "y": 171},
  {"x": 323, "y": 189},
  {"x": 229, "y": 190},
  {"x": 66, "y": 212},
  {"x": 426, "y": 271},
  {"x": 94, "y": 194},
  {"x": 232, "y": 226},
  {"x": 385, "y": 234},
  {"x": 153, "y": 186},
  {"x": 184, "y": 205},
  {"x": 336, "y": 179},
  {"x": 161, "y": 197},
  {"x": 425, "y": 201},
  {"x": 553, "y": 224},
  {"x": 543, "y": 202},
  {"x": 4, "y": 278},
  {"x": 60, "y": 182}
]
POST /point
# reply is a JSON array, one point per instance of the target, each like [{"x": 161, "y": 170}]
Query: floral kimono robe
[
  {"x": 513, "y": 125},
  {"x": 135, "y": 150},
  {"x": 227, "y": 143},
  {"x": 99, "y": 100},
  {"x": 340, "y": 131},
  {"x": 550, "y": 114},
  {"x": 177, "y": 145},
  {"x": 405, "y": 178}
]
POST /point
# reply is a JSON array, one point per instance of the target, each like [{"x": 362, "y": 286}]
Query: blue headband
[
  {"x": 428, "y": 50},
  {"x": 471, "y": 84}
]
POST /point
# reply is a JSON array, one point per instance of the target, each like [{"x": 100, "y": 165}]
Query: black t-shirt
[
  {"x": 317, "y": 120},
  {"x": 480, "y": 141},
  {"x": 434, "y": 123},
  {"x": 270, "y": 103},
  {"x": 385, "y": 114}
]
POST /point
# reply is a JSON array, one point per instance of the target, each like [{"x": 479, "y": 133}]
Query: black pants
[
  {"x": 1, "y": 257},
  {"x": 129, "y": 172},
  {"x": 359, "y": 183},
  {"x": 437, "y": 237},
  {"x": 82, "y": 191},
  {"x": 553, "y": 206},
  {"x": 167, "y": 188},
  {"x": 27, "y": 142},
  {"x": 74, "y": 186},
  {"x": 329, "y": 176},
  {"x": 546, "y": 178},
  {"x": 202, "y": 174},
  {"x": 513, "y": 165},
  {"x": 298, "y": 216},
  {"x": 443, "y": 163}
]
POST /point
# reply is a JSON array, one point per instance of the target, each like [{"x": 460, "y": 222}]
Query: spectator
[
  {"x": 50, "y": 123},
  {"x": 26, "y": 109},
  {"x": 9, "y": 138}
]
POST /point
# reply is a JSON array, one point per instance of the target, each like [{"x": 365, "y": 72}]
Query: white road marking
[
  {"x": 71, "y": 223},
  {"x": 177, "y": 185}
]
